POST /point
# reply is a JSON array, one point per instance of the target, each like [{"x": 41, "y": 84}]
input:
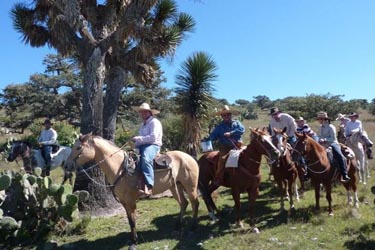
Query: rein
[{"x": 125, "y": 163}]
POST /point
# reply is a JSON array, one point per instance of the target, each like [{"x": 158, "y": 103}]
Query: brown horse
[
  {"x": 322, "y": 171},
  {"x": 284, "y": 169},
  {"x": 244, "y": 178},
  {"x": 182, "y": 176}
]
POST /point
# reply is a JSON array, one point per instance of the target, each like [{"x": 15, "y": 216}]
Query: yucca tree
[
  {"x": 112, "y": 40},
  {"x": 194, "y": 96}
]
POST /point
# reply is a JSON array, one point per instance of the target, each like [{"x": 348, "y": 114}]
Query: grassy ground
[{"x": 349, "y": 228}]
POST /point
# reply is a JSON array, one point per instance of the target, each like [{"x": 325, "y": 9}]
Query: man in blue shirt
[{"x": 229, "y": 133}]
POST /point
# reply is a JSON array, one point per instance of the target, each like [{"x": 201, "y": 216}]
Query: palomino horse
[
  {"x": 244, "y": 178},
  {"x": 322, "y": 171},
  {"x": 356, "y": 143},
  {"x": 33, "y": 158},
  {"x": 284, "y": 169},
  {"x": 182, "y": 176}
]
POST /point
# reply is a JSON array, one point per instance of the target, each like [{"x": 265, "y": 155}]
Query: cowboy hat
[
  {"x": 322, "y": 115},
  {"x": 146, "y": 106},
  {"x": 227, "y": 110},
  {"x": 274, "y": 111},
  {"x": 300, "y": 119},
  {"x": 352, "y": 114},
  {"x": 340, "y": 116},
  {"x": 49, "y": 121}
]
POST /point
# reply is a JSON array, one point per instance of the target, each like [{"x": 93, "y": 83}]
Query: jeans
[
  {"x": 147, "y": 154},
  {"x": 336, "y": 151},
  {"x": 46, "y": 153}
]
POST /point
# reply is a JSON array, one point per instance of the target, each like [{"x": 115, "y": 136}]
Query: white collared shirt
[{"x": 151, "y": 132}]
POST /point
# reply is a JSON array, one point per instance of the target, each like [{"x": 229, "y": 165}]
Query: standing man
[
  {"x": 229, "y": 133},
  {"x": 281, "y": 120},
  {"x": 149, "y": 142},
  {"x": 47, "y": 138}
]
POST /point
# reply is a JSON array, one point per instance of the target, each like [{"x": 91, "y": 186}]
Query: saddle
[{"x": 162, "y": 161}]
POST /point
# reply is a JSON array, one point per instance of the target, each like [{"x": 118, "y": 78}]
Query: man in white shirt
[
  {"x": 355, "y": 125},
  {"x": 149, "y": 142},
  {"x": 281, "y": 120},
  {"x": 47, "y": 138}
]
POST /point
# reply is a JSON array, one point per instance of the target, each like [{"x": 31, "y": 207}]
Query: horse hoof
[
  {"x": 331, "y": 214},
  {"x": 255, "y": 230},
  {"x": 356, "y": 205}
]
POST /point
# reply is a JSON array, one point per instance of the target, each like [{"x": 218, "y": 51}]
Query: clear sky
[{"x": 276, "y": 48}]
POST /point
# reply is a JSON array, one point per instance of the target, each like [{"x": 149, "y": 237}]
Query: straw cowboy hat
[
  {"x": 146, "y": 106},
  {"x": 352, "y": 114},
  {"x": 300, "y": 119},
  {"x": 274, "y": 111},
  {"x": 227, "y": 110},
  {"x": 322, "y": 115},
  {"x": 340, "y": 116}
]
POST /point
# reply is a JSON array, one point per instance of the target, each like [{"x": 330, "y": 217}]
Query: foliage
[
  {"x": 32, "y": 205},
  {"x": 172, "y": 133},
  {"x": 194, "y": 96}
]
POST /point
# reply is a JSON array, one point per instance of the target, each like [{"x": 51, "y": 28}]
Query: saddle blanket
[{"x": 233, "y": 156}]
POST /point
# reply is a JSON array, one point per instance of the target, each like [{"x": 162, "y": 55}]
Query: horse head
[
  {"x": 265, "y": 145},
  {"x": 81, "y": 152},
  {"x": 299, "y": 148},
  {"x": 280, "y": 140},
  {"x": 18, "y": 149}
]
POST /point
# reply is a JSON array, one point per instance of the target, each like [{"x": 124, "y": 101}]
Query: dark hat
[
  {"x": 274, "y": 111},
  {"x": 48, "y": 121},
  {"x": 352, "y": 114}
]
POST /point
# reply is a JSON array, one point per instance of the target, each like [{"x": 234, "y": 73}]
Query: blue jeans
[
  {"x": 336, "y": 151},
  {"x": 46, "y": 153},
  {"x": 147, "y": 154}
]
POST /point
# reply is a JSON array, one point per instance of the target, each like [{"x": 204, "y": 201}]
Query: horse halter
[{"x": 268, "y": 141}]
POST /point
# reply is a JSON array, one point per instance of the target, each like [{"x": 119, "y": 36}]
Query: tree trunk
[
  {"x": 116, "y": 81},
  {"x": 92, "y": 121},
  {"x": 92, "y": 101}
]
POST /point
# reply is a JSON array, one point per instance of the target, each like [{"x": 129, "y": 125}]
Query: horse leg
[
  {"x": 290, "y": 190},
  {"x": 193, "y": 197},
  {"x": 281, "y": 192},
  {"x": 237, "y": 203},
  {"x": 328, "y": 188},
  {"x": 130, "y": 208},
  {"x": 252, "y": 194},
  {"x": 207, "y": 198},
  {"x": 296, "y": 189},
  {"x": 177, "y": 193},
  {"x": 317, "y": 194}
]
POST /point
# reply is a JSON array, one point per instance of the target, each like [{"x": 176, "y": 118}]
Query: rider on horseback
[
  {"x": 46, "y": 140},
  {"x": 355, "y": 125},
  {"x": 229, "y": 133},
  {"x": 328, "y": 138}
]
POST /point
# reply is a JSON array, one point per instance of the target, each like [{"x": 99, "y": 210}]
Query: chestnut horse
[
  {"x": 245, "y": 178},
  {"x": 284, "y": 169},
  {"x": 112, "y": 160},
  {"x": 322, "y": 171}
]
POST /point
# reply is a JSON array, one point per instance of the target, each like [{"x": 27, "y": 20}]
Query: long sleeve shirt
[
  {"x": 287, "y": 121},
  {"x": 352, "y": 127},
  {"x": 235, "y": 128},
  {"x": 48, "y": 137},
  {"x": 328, "y": 133},
  {"x": 151, "y": 132}
]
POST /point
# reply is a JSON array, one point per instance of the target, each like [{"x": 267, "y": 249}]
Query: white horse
[
  {"x": 356, "y": 142},
  {"x": 33, "y": 158}
]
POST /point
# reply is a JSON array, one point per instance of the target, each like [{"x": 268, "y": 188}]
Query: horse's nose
[{"x": 10, "y": 158}]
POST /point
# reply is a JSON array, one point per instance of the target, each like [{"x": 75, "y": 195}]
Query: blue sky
[{"x": 276, "y": 48}]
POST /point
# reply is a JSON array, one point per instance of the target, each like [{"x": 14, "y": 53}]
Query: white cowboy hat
[
  {"x": 352, "y": 114},
  {"x": 340, "y": 116},
  {"x": 227, "y": 110},
  {"x": 146, "y": 106}
]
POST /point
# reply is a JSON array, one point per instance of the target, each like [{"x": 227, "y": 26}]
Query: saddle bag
[{"x": 232, "y": 160}]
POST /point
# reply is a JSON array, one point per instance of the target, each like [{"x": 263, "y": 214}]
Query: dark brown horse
[
  {"x": 321, "y": 170},
  {"x": 284, "y": 169},
  {"x": 244, "y": 178}
]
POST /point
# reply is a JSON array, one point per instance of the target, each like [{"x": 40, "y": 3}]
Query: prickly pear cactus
[{"x": 31, "y": 205}]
